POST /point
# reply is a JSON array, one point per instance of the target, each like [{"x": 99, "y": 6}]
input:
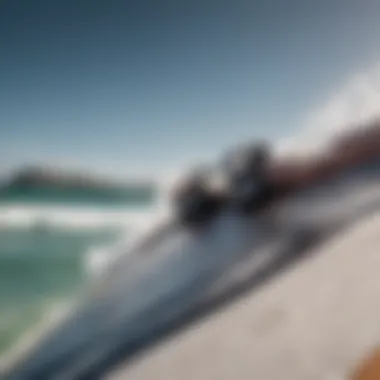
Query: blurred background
[{"x": 104, "y": 103}]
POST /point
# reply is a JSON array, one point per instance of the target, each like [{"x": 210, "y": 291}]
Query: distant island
[{"x": 39, "y": 184}]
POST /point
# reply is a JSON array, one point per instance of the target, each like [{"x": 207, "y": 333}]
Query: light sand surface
[{"x": 317, "y": 320}]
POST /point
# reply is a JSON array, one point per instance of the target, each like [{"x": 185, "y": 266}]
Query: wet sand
[{"x": 318, "y": 320}]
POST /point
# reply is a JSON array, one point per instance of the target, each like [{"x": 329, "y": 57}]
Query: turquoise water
[
  {"x": 111, "y": 197},
  {"x": 44, "y": 267},
  {"x": 37, "y": 270}
]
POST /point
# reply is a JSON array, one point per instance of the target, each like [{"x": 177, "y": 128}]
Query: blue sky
[{"x": 121, "y": 86}]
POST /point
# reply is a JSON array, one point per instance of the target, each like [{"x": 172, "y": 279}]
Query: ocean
[{"x": 50, "y": 248}]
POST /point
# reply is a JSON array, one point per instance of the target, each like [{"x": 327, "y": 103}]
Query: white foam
[
  {"x": 99, "y": 258},
  {"x": 21, "y": 215},
  {"x": 84, "y": 217}
]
